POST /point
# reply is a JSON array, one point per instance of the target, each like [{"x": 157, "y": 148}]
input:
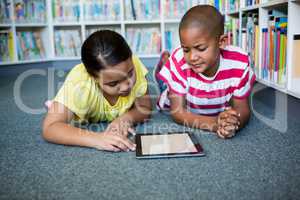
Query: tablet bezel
[{"x": 197, "y": 145}]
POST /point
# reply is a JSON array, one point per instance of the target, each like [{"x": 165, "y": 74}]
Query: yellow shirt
[{"x": 81, "y": 94}]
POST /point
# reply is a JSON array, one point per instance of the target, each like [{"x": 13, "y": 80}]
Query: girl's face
[
  {"x": 117, "y": 80},
  {"x": 201, "y": 50}
]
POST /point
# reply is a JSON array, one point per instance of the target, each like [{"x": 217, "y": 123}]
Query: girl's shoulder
[
  {"x": 78, "y": 73},
  {"x": 139, "y": 66}
]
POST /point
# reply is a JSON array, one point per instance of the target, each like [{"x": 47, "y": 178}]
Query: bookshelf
[
  {"x": 149, "y": 26},
  {"x": 62, "y": 25},
  {"x": 280, "y": 74}
]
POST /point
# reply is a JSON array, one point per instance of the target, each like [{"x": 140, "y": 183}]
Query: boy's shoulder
[
  {"x": 235, "y": 53},
  {"x": 234, "y": 58},
  {"x": 177, "y": 59}
]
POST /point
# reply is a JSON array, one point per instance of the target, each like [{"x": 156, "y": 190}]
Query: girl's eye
[
  {"x": 112, "y": 84},
  {"x": 130, "y": 73}
]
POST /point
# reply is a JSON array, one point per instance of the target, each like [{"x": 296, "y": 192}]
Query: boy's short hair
[
  {"x": 104, "y": 48},
  {"x": 205, "y": 17}
]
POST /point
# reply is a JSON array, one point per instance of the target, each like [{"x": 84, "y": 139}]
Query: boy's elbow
[{"x": 177, "y": 117}]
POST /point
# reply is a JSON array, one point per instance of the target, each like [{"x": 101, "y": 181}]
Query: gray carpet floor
[{"x": 261, "y": 162}]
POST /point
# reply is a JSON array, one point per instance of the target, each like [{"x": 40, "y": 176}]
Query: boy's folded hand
[{"x": 228, "y": 123}]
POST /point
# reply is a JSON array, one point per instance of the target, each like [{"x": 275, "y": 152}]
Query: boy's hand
[
  {"x": 228, "y": 123},
  {"x": 120, "y": 127},
  {"x": 113, "y": 142}
]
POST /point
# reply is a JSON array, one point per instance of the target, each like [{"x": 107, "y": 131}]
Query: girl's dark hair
[{"x": 102, "y": 49}]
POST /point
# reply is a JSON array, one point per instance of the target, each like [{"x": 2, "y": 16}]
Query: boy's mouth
[{"x": 197, "y": 65}]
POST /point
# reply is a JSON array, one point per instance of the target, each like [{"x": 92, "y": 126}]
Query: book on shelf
[
  {"x": 296, "y": 57},
  {"x": 251, "y": 41},
  {"x": 142, "y": 10},
  {"x": 5, "y": 11},
  {"x": 67, "y": 43},
  {"x": 232, "y": 5},
  {"x": 231, "y": 29},
  {"x": 144, "y": 40},
  {"x": 6, "y": 46},
  {"x": 66, "y": 10},
  {"x": 30, "y": 11},
  {"x": 219, "y": 4},
  {"x": 171, "y": 38},
  {"x": 30, "y": 45},
  {"x": 102, "y": 10},
  {"x": 174, "y": 9},
  {"x": 274, "y": 40},
  {"x": 89, "y": 31}
]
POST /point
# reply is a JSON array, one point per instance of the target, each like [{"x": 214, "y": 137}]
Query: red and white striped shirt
[{"x": 208, "y": 95}]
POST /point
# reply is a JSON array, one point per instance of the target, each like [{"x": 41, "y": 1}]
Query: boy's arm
[
  {"x": 56, "y": 129},
  {"x": 182, "y": 116},
  {"x": 241, "y": 106}
]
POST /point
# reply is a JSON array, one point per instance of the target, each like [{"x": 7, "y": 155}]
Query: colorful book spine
[
  {"x": 174, "y": 9},
  {"x": 30, "y": 11},
  {"x": 171, "y": 38},
  {"x": 102, "y": 10},
  {"x": 144, "y": 40},
  {"x": 142, "y": 10},
  {"x": 232, "y": 31},
  {"x": 5, "y": 11},
  {"x": 274, "y": 48},
  {"x": 30, "y": 45},
  {"x": 89, "y": 31},
  {"x": 6, "y": 46},
  {"x": 296, "y": 59},
  {"x": 66, "y": 10},
  {"x": 67, "y": 43},
  {"x": 251, "y": 38}
]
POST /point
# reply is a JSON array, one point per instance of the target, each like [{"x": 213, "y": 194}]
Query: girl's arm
[
  {"x": 56, "y": 129},
  {"x": 140, "y": 111},
  {"x": 182, "y": 116}
]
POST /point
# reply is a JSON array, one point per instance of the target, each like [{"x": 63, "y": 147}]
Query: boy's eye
[
  {"x": 185, "y": 50},
  {"x": 201, "y": 49}
]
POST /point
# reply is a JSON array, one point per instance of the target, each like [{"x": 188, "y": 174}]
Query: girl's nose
[{"x": 125, "y": 86}]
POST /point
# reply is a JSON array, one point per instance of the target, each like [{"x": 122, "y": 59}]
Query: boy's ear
[{"x": 223, "y": 41}]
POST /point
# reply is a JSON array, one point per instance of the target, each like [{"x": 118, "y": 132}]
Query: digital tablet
[{"x": 181, "y": 144}]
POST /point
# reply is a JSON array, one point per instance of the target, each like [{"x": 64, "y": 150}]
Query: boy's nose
[{"x": 193, "y": 56}]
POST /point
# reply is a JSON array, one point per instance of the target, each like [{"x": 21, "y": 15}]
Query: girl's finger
[
  {"x": 110, "y": 147},
  {"x": 126, "y": 142}
]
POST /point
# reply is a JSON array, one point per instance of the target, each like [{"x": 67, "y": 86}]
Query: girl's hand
[
  {"x": 228, "y": 123},
  {"x": 119, "y": 127},
  {"x": 113, "y": 142}
]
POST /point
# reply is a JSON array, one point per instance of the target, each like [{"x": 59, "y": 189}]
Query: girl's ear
[{"x": 223, "y": 41}]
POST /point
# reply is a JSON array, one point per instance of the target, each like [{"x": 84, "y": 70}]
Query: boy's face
[
  {"x": 201, "y": 50},
  {"x": 117, "y": 80}
]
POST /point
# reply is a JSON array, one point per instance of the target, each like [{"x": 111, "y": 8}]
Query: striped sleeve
[
  {"x": 245, "y": 85},
  {"x": 172, "y": 74}
]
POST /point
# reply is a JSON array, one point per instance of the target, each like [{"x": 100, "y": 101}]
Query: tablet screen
[{"x": 167, "y": 145}]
